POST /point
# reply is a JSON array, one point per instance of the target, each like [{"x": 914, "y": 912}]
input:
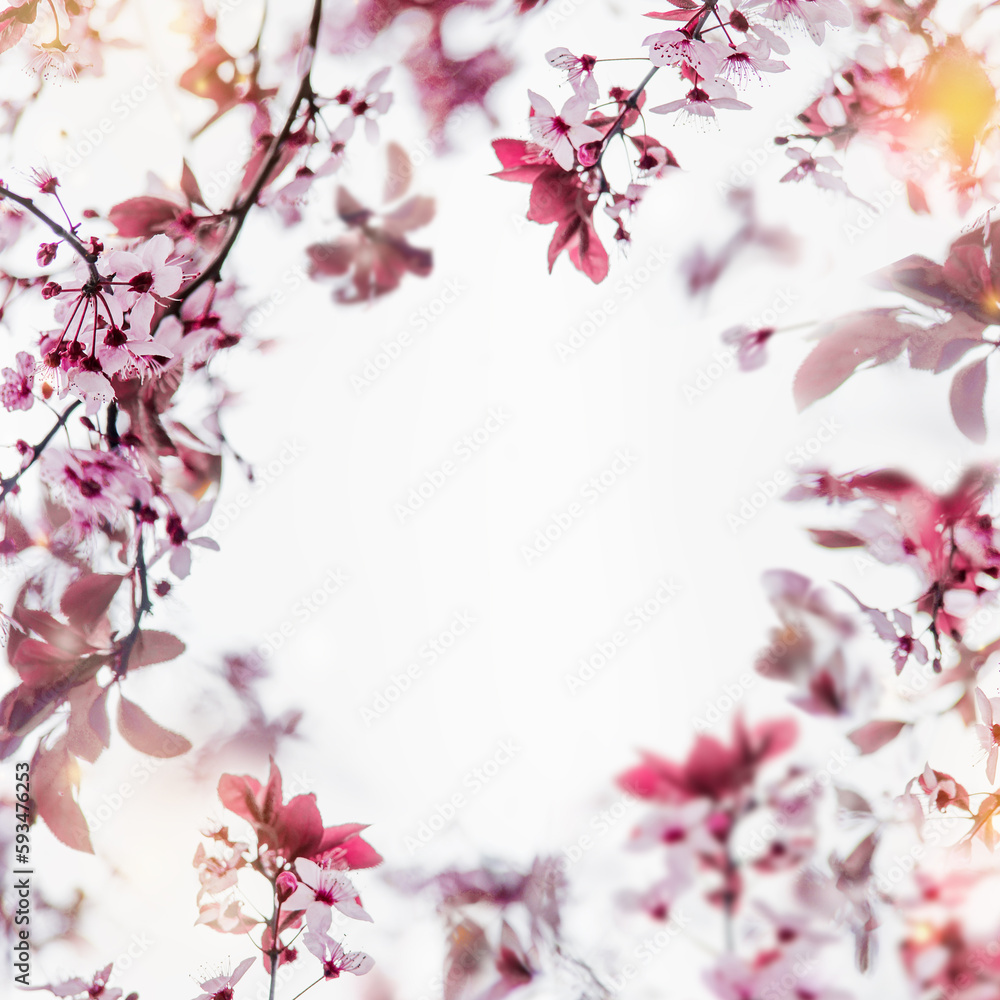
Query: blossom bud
[{"x": 287, "y": 884}]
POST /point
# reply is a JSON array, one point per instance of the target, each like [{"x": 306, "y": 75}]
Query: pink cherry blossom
[
  {"x": 989, "y": 731},
  {"x": 96, "y": 989},
  {"x": 181, "y": 523},
  {"x": 333, "y": 957},
  {"x": 814, "y": 15},
  {"x": 579, "y": 71},
  {"x": 749, "y": 59},
  {"x": 676, "y": 48},
  {"x": 365, "y": 103},
  {"x": 561, "y": 133},
  {"x": 221, "y": 987},
  {"x": 144, "y": 279},
  {"x": 703, "y": 98},
  {"x": 822, "y": 169},
  {"x": 750, "y": 345},
  {"x": 16, "y": 392},
  {"x": 318, "y": 890}
]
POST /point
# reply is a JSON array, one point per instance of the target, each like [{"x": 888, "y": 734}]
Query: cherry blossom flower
[
  {"x": 814, "y": 15},
  {"x": 216, "y": 875},
  {"x": 989, "y": 731},
  {"x": 333, "y": 957},
  {"x": 179, "y": 531},
  {"x": 364, "y": 103},
  {"x": 226, "y": 917},
  {"x": 739, "y": 19},
  {"x": 749, "y": 59},
  {"x": 16, "y": 392},
  {"x": 941, "y": 789},
  {"x": 96, "y": 989},
  {"x": 677, "y": 48},
  {"x": 561, "y": 133},
  {"x": 318, "y": 890},
  {"x": 680, "y": 829},
  {"x": 221, "y": 987},
  {"x": 94, "y": 485},
  {"x": 579, "y": 71},
  {"x": 144, "y": 279},
  {"x": 702, "y": 100},
  {"x": 750, "y": 345},
  {"x": 820, "y": 168}
]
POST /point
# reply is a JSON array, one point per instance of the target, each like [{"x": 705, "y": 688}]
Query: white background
[{"x": 694, "y": 461}]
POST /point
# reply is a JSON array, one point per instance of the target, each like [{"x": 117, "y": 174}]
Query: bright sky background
[{"x": 334, "y": 462}]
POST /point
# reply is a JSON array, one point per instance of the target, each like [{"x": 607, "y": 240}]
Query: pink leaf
[
  {"x": 154, "y": 647},
  {"x": 87, "y": 599},
  {"x": 876, "y": 336},
  {"x": 966, "y": 397},
  {"x": 400, "y": 173},
  {"x": 874, "y": 735},
  {"x": 98, "y": 718},
  {"x": 835, "y": 539},
  {"x": 54, "y": 777},
  {"x": 143, "y": 216},
  {"x": 147, "y": 736},
  {"x": 11, "y": 30},
  {"x": 189, "y": 185}
]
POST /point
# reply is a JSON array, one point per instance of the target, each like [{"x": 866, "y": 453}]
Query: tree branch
[
  {"x": 6, "y": 485},
  {"x": 71, "y": 238},
  {"x": 241, "y": 209}
]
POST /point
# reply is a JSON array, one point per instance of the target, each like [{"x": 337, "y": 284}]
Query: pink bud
[{"x": 287, "y": 884}]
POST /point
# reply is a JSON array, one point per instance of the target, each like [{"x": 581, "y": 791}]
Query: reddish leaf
[
  {"x": 81, "y": 740},
  {"x": 11, "y": 33},
  {"x": 876, "y": 336},
  {"x": 917, "y": 199},
  {"x": 147, "y": 736},
  {"x": 144, "y": 216},
  {"x": 154, "y": 647},
  {"x": 874, "y": 735},
  {"x": 189, "y": 185},
  {"x": 54, "y": 778},
  {"x": 835, "y": 539},
  {"x": 87, "y": 599},
  {"x": 412, "y": 214},
  {"x": 98, "y": 718},
  {"x": 966, "y": 397},
  {"x": 400, "y": 173}
]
